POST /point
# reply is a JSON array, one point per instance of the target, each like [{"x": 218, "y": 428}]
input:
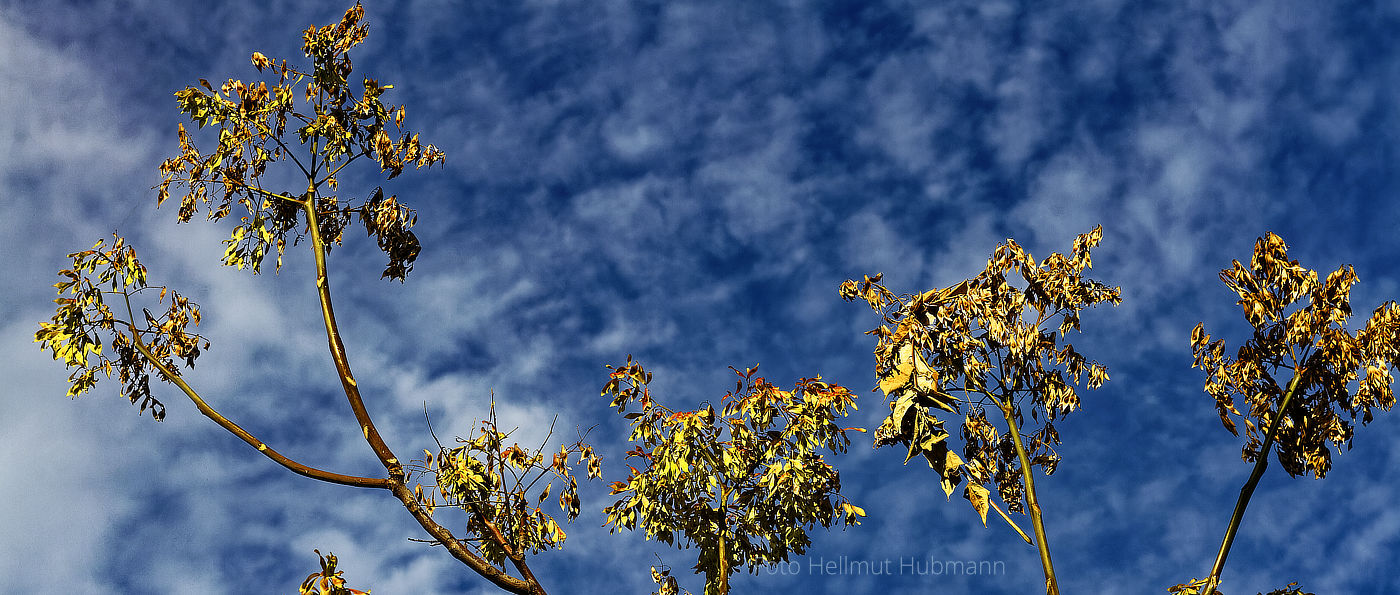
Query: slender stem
[
  {"x": 337, "y": 347},
  {"x": 723, "y": 547},
  {"x": 337, "y": 169},
  {"x": 725, "y": 490},
  {"x": 1247, "y": 491},
  {"x": 1052, "y": 587},
  {"x": 236, "y": 430}
]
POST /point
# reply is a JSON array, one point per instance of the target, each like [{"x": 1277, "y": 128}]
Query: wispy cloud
[{"x": 689, "y": 183}]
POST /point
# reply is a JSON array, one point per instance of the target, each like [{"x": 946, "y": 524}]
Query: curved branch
[
  {"x": 398, "y": 488},
  {"x": 236, "y": 430},
  {"x": 386, "y": 456}
]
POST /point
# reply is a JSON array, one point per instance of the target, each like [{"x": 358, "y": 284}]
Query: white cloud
[
  {"x": 61, "y": 472},
  {"x": 688, "y": 185}
]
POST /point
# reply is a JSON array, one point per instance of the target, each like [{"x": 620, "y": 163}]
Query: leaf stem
[{"x": 1013, "y": 524}]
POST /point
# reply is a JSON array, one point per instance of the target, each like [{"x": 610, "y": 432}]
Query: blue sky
[{"x": 689, "y": 183}]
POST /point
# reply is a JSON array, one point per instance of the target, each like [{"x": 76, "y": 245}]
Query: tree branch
[
  {"x": 516, "y": 558},
  {"x": 386, "y": 456},
  {"x": 400, "y": 491},
  {"x": 459, "y": 551}
]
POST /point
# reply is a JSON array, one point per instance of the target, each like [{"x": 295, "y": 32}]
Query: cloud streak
[{"x": 689, "y": 183}]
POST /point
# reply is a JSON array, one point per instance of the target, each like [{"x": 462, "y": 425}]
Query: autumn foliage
[
  {"x": 982, "y": 344},
  {"x": 1310, "y": 347},
  {"x": 313, "y": 122},
  {"x": 1300, "y": 334},
  {"x": 743, "y": 483},
  {"x": 338, "y": 125}
]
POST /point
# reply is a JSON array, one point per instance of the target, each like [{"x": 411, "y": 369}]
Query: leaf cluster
[
  {"x": 328, "y": 581},
  {"x": 83, "y": 315},
  {"x": 745, "y": 482},
  {"x": 335, "y": 124},
  {"x": 1197, "y": 586},
  {"x": 995, "y": 345},
  {"x": 668, "y": 585},
  {"x": 493, "y": 483},
  {"x": 1299, "y": 325}
]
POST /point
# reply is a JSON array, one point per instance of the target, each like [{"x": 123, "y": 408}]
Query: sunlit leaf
[{"x": 977, "y": 495}]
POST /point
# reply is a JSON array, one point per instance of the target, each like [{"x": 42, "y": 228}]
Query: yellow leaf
[
  {"x": 902, "y": 371},
  {"x": 938, "y": 296},
  {"x": 977, "y": 495},
  {"x": 945, "y": 468}
]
